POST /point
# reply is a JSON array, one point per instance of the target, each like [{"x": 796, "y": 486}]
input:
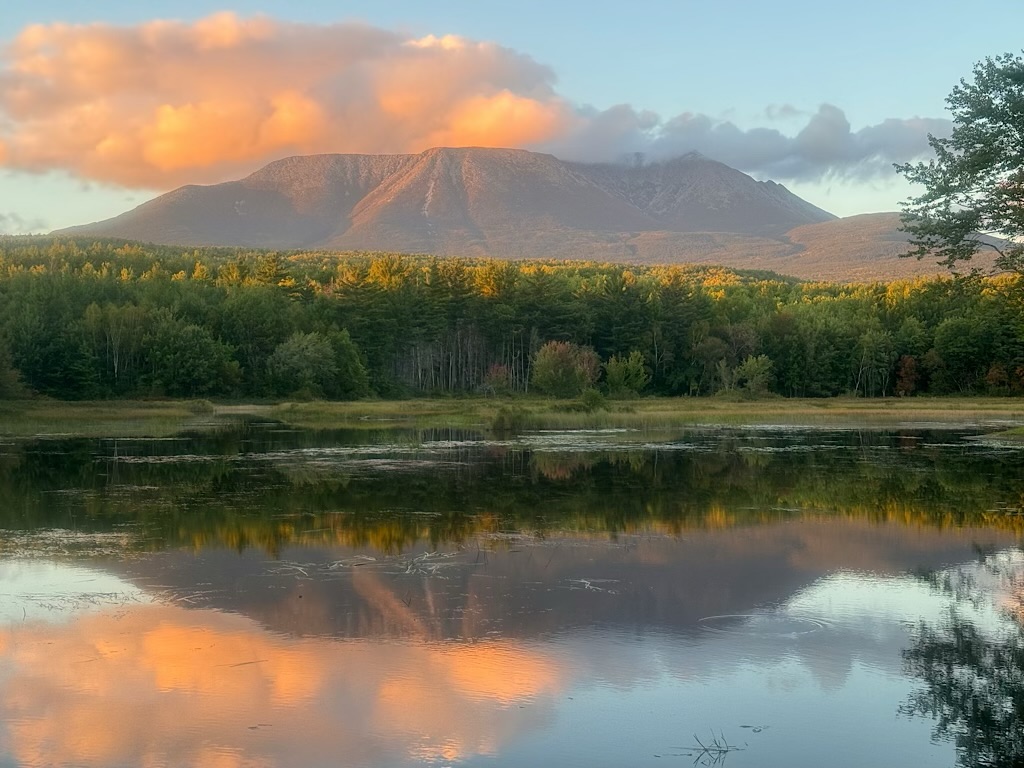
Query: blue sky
[{"x": 742, "y": 65}]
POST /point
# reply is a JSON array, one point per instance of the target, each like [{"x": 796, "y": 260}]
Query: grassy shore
[
  {"x": 111, "y": 418},
  {"x": 653, "y": 413},
  {"x": 1013, "y": 435},
  {"x": 161, "y": 418}
]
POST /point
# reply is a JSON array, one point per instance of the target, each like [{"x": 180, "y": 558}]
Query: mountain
[
  {"x": 509, "y": 203},
  {"x": 292, "y": 203},
  {"x": 482, "y": 202},
  {"x": 693, "y": 193}
]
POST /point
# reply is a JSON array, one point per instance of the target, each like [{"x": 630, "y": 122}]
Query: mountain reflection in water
[{"x": 305, "y": 599}]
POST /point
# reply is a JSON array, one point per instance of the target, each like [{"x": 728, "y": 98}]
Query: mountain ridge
[{"x": 512, "y": 203}]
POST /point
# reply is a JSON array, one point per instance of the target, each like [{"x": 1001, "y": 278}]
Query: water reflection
[
  {"x": 269, "y": 488},
  {"x": 164, "y": 685},
  {"x": 39, "y": 589},
  {"x": 173, "y": 684},
  {"x": 528, "y": 586},
  {"x": 971, "y": 663},
  {"x": 282, "y": 598}
]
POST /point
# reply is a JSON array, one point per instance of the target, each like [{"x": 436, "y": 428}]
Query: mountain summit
[
  {"x": 504, "y": 203},
  {"x": 458, "y": 201}
]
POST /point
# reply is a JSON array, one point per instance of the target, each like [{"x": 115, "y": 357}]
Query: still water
[{"x": 262, "y": 596}]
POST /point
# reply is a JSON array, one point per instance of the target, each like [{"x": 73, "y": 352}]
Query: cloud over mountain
[
  {"x": 825, "y": 146},
  {"x": 167, "y": 102},
  {"x": 164, "y": 102}
]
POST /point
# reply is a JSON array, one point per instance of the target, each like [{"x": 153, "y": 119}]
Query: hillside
[{"x": 515, "y": 204}]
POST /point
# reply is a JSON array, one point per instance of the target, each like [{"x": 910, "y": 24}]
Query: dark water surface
[{"x": 262, "y": 596}]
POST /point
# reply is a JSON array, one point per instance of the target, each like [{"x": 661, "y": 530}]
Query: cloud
[
  {"x": 825, "y": 147},
  {"x": 167, "y": 102},
  {"x": 783, "y": 112},
  {"x": 161, "y": 671},
  {"x": 13, "y": 224}
]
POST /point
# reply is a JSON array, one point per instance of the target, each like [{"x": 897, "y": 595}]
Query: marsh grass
[
  {"x": 651, "y": 413},
  {"x": 503, "y": 415},
  {"x": 120, "y": 418},
  {"x": 1014, "y": 435}
]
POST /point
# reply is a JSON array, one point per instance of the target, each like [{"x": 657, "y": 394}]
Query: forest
[{"x": 83, "y": 319}]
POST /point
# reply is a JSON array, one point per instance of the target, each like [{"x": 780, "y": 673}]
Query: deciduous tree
[
  {"x": 974, "y": 187},
  {"x": 564, "y": 369}
]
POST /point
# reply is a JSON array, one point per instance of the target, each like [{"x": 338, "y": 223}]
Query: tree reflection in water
[{"x": 972, "y": 665}]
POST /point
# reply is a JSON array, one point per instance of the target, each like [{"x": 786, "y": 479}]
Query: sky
[{"x": 105, "y": 105}]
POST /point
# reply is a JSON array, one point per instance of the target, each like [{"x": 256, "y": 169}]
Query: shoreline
[{"x": 162, "y": 418}]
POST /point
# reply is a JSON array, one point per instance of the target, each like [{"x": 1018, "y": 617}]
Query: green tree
[
  {"x": 755, "y": 374},
  {"x": 184, "y": 360},
  {"x": 621, "y": 313},
  {"x": 876, "y": 356},
  {"x": 304, "y": 362},
  {"x": 963, "y": 346},
  {"x": 318, "y": 365},
  {"x": 254, "y": 320},
  {"x": 626, "y": 376},
  {"x": 10, "y": 380},
  {"x": 52, "y": 358},
  {"x": 352, "y": 380},
  {"x": 116, "y": 335},
  {"x": 975, "y": 185}
]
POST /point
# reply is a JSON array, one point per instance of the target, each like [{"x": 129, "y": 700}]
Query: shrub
[
  {"x": 564, "y": 369},
  {"x": 626, "y": 376},
  {"x": 592, "y": 400}
]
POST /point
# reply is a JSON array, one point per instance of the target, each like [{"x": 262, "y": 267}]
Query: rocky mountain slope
[{"x": 515, "y": 204}]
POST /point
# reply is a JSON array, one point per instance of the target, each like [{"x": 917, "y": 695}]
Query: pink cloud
[{"x": 167, "y": 102}]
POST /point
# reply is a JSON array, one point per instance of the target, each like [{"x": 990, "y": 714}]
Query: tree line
[{"x": 108, "y": 319}]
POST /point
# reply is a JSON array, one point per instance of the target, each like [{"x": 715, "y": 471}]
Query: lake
[{"x": 256, "y": 595}]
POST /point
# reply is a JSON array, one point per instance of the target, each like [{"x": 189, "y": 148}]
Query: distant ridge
[{"x": 509, "y": 203}]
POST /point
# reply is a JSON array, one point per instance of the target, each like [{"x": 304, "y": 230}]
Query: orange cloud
[
  {"x": 121, "y": 688},
  {"x": 501, "y": 120},
  {"x": 167, "y": 102}
]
